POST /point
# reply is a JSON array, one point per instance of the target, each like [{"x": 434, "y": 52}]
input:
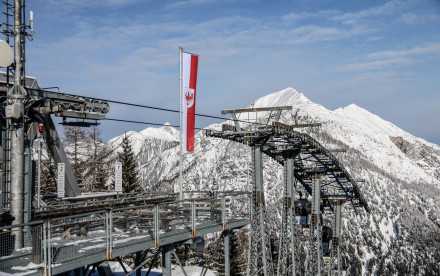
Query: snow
[
  {"x": 29, "y": 266},
  {"x": 366, "y": 120},
  {"x": 360, "y": 129},
  {"x": 166, "y": 132},
  {"x": 176, "y": 270},
  {"x": 137, "y": 139}
]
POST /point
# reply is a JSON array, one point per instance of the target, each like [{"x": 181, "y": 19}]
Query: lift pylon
[
  {"x": 314, "y": 254},
  {"x": 260, "y": 249},
  {"x": 335, "y": 257},
  {"x": 288, "y": 258}
]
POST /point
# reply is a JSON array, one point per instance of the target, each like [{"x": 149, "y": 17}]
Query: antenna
[{"x": 31, "y": 24}]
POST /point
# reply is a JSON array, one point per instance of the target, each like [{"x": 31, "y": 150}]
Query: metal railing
[{"x": 96, "y": 236}]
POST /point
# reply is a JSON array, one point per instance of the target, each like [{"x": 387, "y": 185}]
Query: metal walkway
[{"x": 65, "y": 243}]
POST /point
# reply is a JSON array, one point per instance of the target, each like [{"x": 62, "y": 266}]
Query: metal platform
[{"x": 66, "y": 243}]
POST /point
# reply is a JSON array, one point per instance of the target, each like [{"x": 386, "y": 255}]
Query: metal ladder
[{"x": 6, "y": 169}]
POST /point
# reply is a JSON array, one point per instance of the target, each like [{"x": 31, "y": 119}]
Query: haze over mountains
[{"x": 401, "y": 234}]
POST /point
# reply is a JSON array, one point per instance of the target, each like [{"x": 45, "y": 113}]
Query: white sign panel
[
  {"x": 118, "y": 177},
  {"x": 61, "y": 179}
]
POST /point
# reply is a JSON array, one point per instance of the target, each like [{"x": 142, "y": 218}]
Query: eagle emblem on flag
[{"x": 189, "y": 97}]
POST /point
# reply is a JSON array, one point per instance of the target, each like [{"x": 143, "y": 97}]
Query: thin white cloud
[
  {"x": 67, "y": 4},
  {"x": 309, "y": 15},
  {"x": 189, "y": 3},
  {"x": 390, "y": 7},
  {"x": 372, "y": 65},
  {"x": 153, "y": 46},
  {"x": 383, "y": 59},
  {"x": 410, "y": 18},
  {"x": 313, "y": 33},
  {"x": 420, "y": 50}
]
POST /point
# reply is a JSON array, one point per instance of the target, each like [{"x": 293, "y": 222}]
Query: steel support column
[
  {"x": 138, "y": 261},
  {"x": 260, "y": 260},
  {"x": 314, "y": 254},
  {"x": 335, "y": 263},
  {"x": 166, "y": 260},
  {"x": 287, "y": 259},
  {"x": 17, "y": 170},
  {"x": 16, "y": 98},
  {"x": 27, "y": 194},
  {"x": 226, "y": 240}
]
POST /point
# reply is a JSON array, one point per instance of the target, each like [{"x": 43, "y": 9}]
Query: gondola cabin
[
  {"x": 327, "y": 236},
  {"x": 302, "y": 215}
]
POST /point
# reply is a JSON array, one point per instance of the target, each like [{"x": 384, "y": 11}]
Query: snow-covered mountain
[
  {"x": 401, "y": 235},
  {"x": 138, "y": 139}
]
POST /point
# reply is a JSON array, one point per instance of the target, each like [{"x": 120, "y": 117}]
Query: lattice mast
[
  {"x": 7, "y": 30},
  {"x": 314, "y": 254},
  {"x": 259, "y": 242},
  {"x": 336, "y": 261},
  {"x": 17, "y": 97},
  {"x": 288, "y": 258}
]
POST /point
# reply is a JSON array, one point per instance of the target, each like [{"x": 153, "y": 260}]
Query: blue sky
[{"x": 381, "y": 55}]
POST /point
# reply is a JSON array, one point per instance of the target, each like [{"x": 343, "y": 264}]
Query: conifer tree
[
  {"x": 217, "y": 261},
  {"x": 75, "y": 136},
  {"x": 48, "y": 181},
  {"x": 98, "y": 154},
  {"x": 238, "y": 257},
  {"x": 130, "y": 177}
]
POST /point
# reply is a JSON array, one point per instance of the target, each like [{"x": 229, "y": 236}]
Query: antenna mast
[{"x": 17, "y": 97}]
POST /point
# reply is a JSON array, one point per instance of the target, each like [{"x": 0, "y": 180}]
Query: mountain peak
[
  {"x": 165, "y": 132},
  {"x": 168, "y": 128},
  {"x": 288, "y": 96},
  {"x": 353, "y": 105}
]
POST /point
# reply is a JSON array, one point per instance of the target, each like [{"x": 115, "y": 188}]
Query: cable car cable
[
  {"x": 145, "y": 123},
  {"x": 144, "y": 106}
]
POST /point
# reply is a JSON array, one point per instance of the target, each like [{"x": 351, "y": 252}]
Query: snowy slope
[
  {"x": 364, "y": 131},
  {"x": 138, "y": 139},
  {"x": 117, "y": 270}
]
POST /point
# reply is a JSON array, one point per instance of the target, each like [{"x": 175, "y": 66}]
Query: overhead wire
[
  {"x": 145, "y": 123},
  {"x": 142, "y": 106}
]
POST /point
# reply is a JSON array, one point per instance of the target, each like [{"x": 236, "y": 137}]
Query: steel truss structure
[
  {"x": 60, "y": 243},
  {"x": 312, "y": 165}
]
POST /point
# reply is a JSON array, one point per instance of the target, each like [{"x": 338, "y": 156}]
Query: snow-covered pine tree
[
  {"x": 130, "y": 173},
  {"x": 74, "y": 140},
  {"x": 97, "y": 171},
  {"x": 48, "y": 180},
  {"x": 238, "y": 241},
  {"x": 216, "y": 253}
]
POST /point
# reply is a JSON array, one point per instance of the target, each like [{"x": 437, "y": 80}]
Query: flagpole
[{"x": 181, "y": 123}]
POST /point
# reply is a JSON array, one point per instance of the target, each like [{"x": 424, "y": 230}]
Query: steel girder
[{"x": 312, "y": 158}]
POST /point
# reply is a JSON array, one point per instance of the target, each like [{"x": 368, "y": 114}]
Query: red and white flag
[{"x": 189, "y": 83}]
